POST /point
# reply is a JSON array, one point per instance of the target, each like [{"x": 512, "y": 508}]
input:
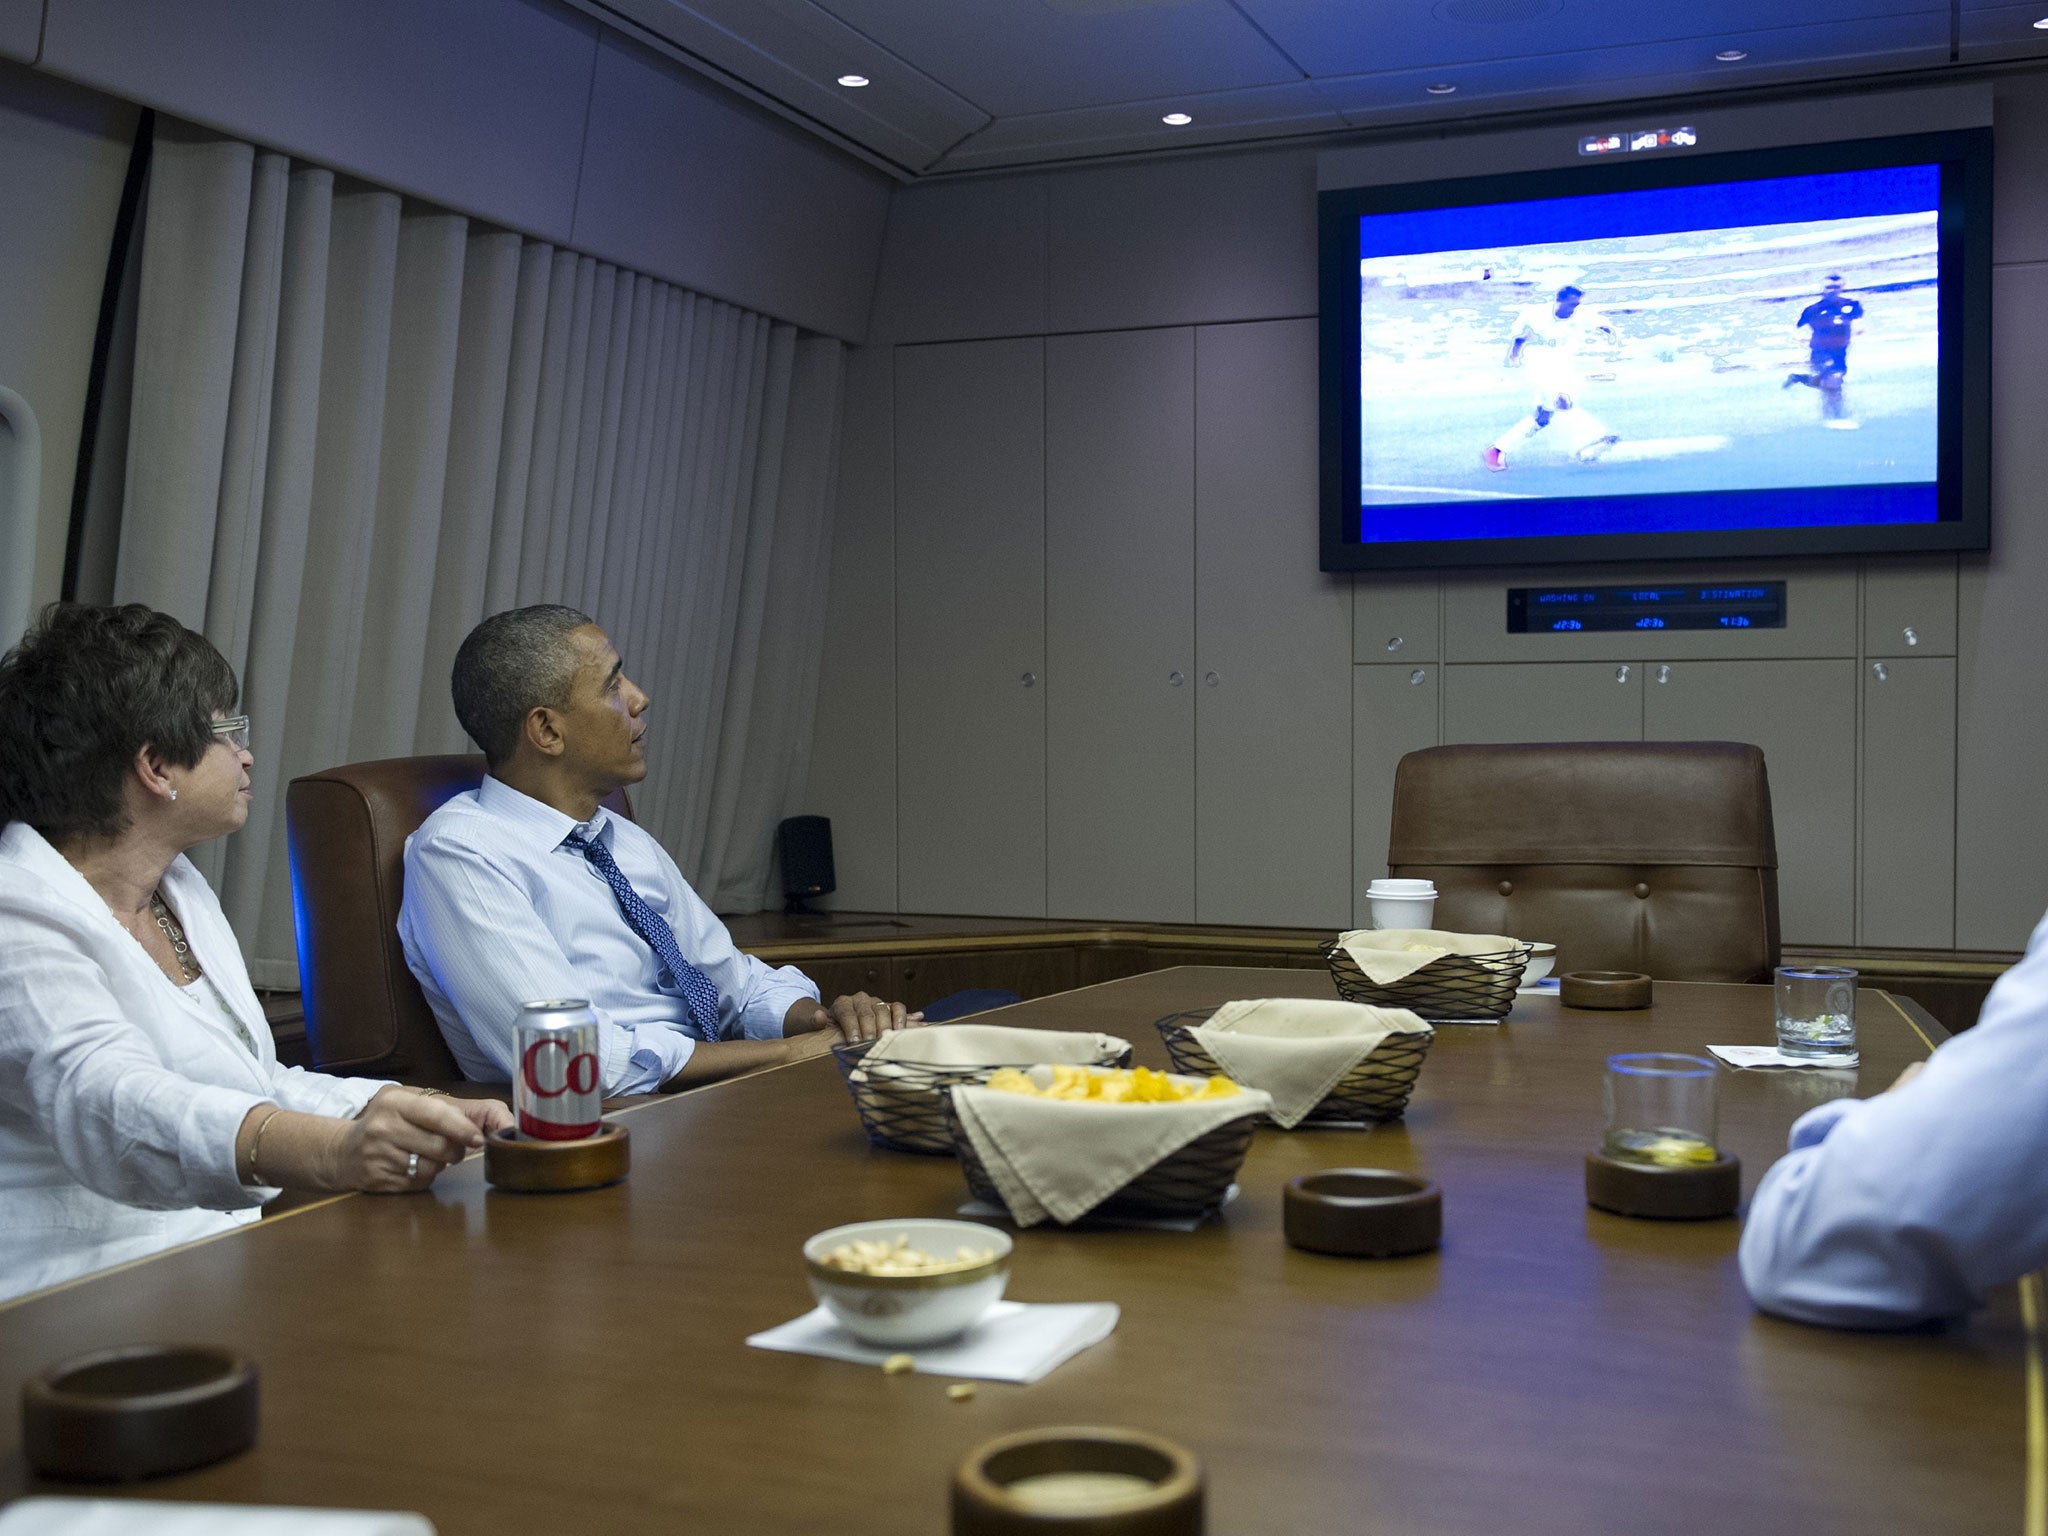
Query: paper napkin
[
  {"x": 1770, "y": 1056},
  {"x": 149, "y": 1517},
  {"x": 1016, "y": 1341}
]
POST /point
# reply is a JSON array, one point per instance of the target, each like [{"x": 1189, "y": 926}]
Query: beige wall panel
[
  {"x": 2019, "y": 166},
  {"x": 1185, "y": 242},
  {"x": 1907, "y": 872},
  {"x": 964, "y": 259},
  {"x": 1803, "y": 715},
  {"x": 853, "y": 756},
  {"x": 476, "y": 104},
  {"x": 1273, "y": 734},
  {"x": 686, "y": 181},
  {"x": 63, "y": 156},
  {"x": 2002, "y": 723},
  {"x": 1572, "y": 701},
  {"x": 1396, "y": 618},
  {"x": 1120, "y": 625},
  {"x": 1393, "y": 713},
  {"x": 970, "y": 627},
  {"x": 1909, "y": 607},
  {"x": 21, "y": 28},
  {"x": 1820, "y": 616}
]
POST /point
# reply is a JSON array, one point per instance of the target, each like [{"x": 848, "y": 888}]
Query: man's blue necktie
[{"x": 695, "y": 986}]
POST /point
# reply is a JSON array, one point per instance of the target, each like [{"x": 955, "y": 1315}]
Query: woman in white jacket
[{"x": 141, "y": 1100}]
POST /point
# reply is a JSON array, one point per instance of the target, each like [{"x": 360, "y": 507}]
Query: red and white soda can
[{"x": 557, "y": 1091}]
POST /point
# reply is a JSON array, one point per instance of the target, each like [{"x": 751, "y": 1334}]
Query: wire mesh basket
[
  {"x": 904, "y": 1109},
  {"x": 1451, "y": 989},
  {"x": 1376, "y": 1088},
  {"x": 1193, "y": 1181}
]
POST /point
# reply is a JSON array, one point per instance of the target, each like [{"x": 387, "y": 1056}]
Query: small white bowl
[
  {"x": 904, "y": 1311},
  {"x": 1542, "y": 958}
]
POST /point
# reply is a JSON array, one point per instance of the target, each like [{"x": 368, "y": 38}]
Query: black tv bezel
[{"x": 1963, "y": 452}]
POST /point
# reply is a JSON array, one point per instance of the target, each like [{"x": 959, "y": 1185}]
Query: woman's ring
[{"x": 412, "y": 1166}]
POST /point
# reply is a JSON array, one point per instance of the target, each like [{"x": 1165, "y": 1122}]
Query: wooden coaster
[
  {"x": 1604, "y": 989},
  {"x": 533, "y": 1166},
  {"x": 1699, "y": 1193},
  {"x": 1363, "y": 1213},
  {"x": 138, "y": 1411},
  {"x": 1085, "y": 1481}
]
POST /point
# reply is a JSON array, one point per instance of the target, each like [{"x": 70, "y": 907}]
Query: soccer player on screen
[
  {"x": 1831, "y": 321},
  {"x": 1550, "y": 340}
]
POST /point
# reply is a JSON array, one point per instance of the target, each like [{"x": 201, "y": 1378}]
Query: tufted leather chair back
[
  {"x": 346, "y": 829},
  {"x": 1630, "y": 856}
]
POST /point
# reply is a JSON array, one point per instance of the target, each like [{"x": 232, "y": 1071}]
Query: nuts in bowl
[{"x": 909, "y": 1282}]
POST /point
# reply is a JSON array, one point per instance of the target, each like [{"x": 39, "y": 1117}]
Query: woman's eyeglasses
[{"x": 234, "y": 730}]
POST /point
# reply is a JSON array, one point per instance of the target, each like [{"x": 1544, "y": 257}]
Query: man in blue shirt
[
  {"x": 1830, "y": 322},
  {"x": 1909, "y": 1206},
  {"x": 528, "y": 888}
]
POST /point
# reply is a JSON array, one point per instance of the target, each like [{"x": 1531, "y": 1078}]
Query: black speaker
[{"x": 806, "y": 860}]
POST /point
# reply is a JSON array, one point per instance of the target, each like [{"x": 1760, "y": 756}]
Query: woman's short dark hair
[
  {"x": 88, "y": 688},
  {"x": 512, "y": 664}
]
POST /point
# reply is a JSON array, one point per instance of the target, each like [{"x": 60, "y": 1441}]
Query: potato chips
[{"x": 1109, "y": 1085}]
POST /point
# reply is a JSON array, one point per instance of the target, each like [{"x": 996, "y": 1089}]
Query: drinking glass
[
  {"x": 1660, "y": 1109},
  {"x": 1816, "y": 1010}
]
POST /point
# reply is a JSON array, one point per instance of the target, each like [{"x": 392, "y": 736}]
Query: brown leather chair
[
  {"x": 346, "y": 829},
  {"x": 1629, "y": 856}
]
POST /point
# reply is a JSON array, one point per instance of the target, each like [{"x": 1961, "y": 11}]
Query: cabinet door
[
  {"x": 1803, "y": 715},
  {"x": 1907, "y": 875},
  {"x": 1120, "y": 619},
  {"x": 1543, "y": 701},
  {"x": 1393, "y": 713},
  {"x": 1273, "y": 637},
  {"x": 1029, "y": 973},
  {"x": 970, "y": 628},
  {"x": 1909, "y": 607}
]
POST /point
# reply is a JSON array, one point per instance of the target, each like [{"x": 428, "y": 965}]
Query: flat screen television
[{"x": 1762, "y": 353}]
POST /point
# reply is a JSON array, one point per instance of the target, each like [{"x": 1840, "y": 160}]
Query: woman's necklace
[{"x": 174, "y": 936}]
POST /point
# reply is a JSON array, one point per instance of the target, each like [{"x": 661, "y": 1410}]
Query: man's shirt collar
[{"x": 545, "y": 825}]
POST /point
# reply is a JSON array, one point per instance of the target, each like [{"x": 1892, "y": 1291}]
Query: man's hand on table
[{"x": 858, "y": 1017}]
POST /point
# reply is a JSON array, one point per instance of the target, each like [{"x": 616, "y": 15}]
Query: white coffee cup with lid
[{"x": 1401, "y": 903}]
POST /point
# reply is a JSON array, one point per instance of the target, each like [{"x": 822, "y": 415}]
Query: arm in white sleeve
[
  {"x": 1911, "y": 1205},
  {"x": 473, "y": 928},
  {"x": 753, "y": 996},
  {"x": 316, "y": 1093},
  {"x": 125, "y": 1123}
]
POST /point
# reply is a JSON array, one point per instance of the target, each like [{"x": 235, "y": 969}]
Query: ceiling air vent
[{"x": 1495, "y": 13}]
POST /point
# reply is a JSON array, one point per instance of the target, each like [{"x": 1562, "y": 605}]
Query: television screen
[{"x": 1764, "y": 353}]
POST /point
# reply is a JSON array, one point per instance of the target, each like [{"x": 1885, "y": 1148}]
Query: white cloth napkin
[
  {"x": 1387, "y": 955},
  {"x": 1061, "y": 1158},
  {"x": 1015, "y": 1341},
  {"x": 1770, "y": 1056},
  {"x": 145, "y": 1517},
  {"x": 988, "y": 1045},
  {"x": 1298, "y": 1049}
]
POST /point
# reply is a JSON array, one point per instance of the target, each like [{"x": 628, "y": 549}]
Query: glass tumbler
[
  {"x": 1660, "y": 1109},
  {"x": 1816, "y": 1010}
]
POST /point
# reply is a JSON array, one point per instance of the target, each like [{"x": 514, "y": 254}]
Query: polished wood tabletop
[{"x": 577, "y": 1362}]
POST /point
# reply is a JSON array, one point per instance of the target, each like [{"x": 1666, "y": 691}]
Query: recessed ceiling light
[
  {"x": 1732, "y": 55},
  {"x": 1176, "y": 119},
  {"x": 853, "y": 82},
  {"x": 1441, "y": 88},
  {"x": 2041, "y": 25}
]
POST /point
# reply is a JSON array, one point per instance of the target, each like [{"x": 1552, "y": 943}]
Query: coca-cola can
[{"x": 557, "y": 1092}]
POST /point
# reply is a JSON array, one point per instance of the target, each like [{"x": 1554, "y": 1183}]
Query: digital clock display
[{"x": 1573, "y": 610}]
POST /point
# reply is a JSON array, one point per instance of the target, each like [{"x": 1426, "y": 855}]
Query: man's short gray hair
[{"x": 512, "y": 664}]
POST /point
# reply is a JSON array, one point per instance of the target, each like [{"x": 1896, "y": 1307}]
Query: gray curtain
[{"x": 358, "y": 424}]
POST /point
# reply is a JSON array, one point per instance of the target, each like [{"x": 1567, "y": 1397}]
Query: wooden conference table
[{"x": 532, "y": 1363}]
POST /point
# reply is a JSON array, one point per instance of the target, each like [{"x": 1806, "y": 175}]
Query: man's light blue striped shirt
[{"x": 498, "y": 913}]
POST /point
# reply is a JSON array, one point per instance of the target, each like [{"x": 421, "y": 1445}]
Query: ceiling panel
[
  {"x": 21, "y": 28},
  {"x": 1221, "y": 117},
  {"x": 1010, "y": 57},
  {"x": 1325, "y": 38},
  {"x": 795, "y": 52},
  {"x": 1642, "y": 70}
]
